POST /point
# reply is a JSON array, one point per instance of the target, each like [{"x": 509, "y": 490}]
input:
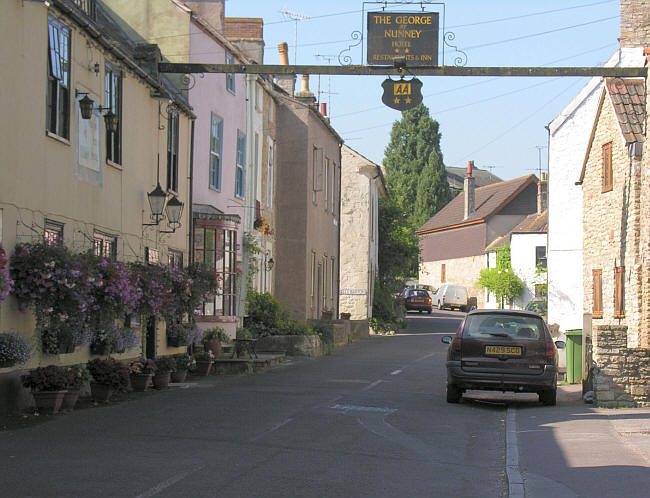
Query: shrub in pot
[
  {"x": 204, "y": 361},
  {"x": 212, "y": 339},
  {"x": 108, "y": 376},
  {"x": 78, "y": 375},
  {"x": 184, "y": 362},
  {"x": 48, "y": 385},
  {"x": 166, "y": 365},
  {"x": 14, "y": 350}
]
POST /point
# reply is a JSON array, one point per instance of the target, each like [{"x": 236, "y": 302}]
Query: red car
[
  {"x": 418, "y": 300},
  {"x": 502, "y": 350}
]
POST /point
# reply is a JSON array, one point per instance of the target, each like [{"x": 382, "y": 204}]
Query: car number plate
[{"x": 503, "y": 350}]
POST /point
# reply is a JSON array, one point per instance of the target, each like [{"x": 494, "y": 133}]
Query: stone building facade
[
  {"x": 362, "y": 185},
  {"x": 614, "y": 236}
]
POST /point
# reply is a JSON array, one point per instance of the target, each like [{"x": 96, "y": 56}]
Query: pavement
[{"x": 575, "y": 449}]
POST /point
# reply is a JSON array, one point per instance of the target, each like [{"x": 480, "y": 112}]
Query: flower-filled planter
[
  {"x": 212, "y": 339},
  {"x": 6, "y": 283},
  {"x": 48, "y": 385},
  {"x": 78, "y": 375},
  {"x": 14, "y": 350},
  {"x": 141, "y": 371},
  {"x": 184, "y": 362}
]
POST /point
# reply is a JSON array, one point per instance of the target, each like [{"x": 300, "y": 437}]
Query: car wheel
[
  {"x": 548, "y": 397},
  {"x": 429, "y": 311},
  {"x": 453, "y": 394}
]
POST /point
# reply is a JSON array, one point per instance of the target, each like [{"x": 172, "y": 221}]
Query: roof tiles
[{"x": 628, "y": 99}]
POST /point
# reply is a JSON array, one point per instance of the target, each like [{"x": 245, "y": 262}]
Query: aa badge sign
[{"x": 402, "y": 94}]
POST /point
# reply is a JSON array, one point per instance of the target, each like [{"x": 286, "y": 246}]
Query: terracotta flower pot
[
  {"x": 161, "y": 380},
  {"x": 179, "y": 376},
  {"x": 101, "y": 393},
  {"x": 213, "y": 345},
  {"x": 203, "y": 368},
  {"x": 70, "y": 400},
  {"x": 140, "y": 382},
  {"x": 48, "y": 401}
]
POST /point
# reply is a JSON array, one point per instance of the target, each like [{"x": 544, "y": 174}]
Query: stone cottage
[
  {"x": 615, "y": 245},
  {"x": 362, "y": 185}
]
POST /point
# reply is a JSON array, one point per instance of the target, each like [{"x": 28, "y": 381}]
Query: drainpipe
[
  {"x": 338, "y": 249},
  {"x": 190, "y": 224}
]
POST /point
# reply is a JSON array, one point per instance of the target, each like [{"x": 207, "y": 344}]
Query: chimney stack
[
  {"x": 468, "y": 191},
  {"x": 305, "y": 95},
  {"x": 285, "y": 81},
  {"x": 542, "y": 193},
  {"x": 248, "y": 34},
  {"x": 210, "y": 10}
]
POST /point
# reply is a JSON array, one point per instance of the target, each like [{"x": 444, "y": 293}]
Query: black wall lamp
[
  {"x": 86, "y": 107},
  {"x": 269, "y": 264},
  {"x": 173, "y": 209}
]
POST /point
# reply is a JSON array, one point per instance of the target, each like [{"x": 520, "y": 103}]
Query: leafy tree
[
  {"x": 398, "y": 245},
  {"x": 415, "y": 172},
  {"x": 501, "y": 280}
]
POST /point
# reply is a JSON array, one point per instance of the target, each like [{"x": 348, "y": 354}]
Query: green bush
[{"x": 266, "y": 315}]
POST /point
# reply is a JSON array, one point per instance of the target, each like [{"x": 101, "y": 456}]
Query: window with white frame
[
  {"x": 240, "y": 165},
  {"x": 269, "y": 176},
  {"x": 325, "y": 282},
  {"x": 313, "y": 278},
  {"x": 317, "y": 172},
  {"x": 333, "y": 280},
  {"x": 216, "y": 149},
  {"x": 58, "y": 79},
  {"x": 230, "y": 77},
  {"x": 333, "y": 189},
  {"x": 53, "y": 233},
  {"x": 326, "y": 182},
  {"x": 175, "y": 258},
  {"x": 104, "y": 245}
]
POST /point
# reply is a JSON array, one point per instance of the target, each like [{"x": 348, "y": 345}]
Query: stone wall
[
  {"x": 621, "y": 374},
  {"x": 635, "y": 23}
]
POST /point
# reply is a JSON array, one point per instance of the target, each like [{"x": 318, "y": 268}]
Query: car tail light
[
  {"x": 429, "y": 300},
  {"x": 550, "y": 352},
  {"x": 456, "y": 343}
]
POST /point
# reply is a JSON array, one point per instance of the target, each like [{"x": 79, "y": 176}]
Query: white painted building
[
  {"x": 362, "y": 185},
  {"x": 568, "y": 138}
]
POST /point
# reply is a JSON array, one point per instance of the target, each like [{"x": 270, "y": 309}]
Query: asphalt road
[{"x": 369, "y": 420}]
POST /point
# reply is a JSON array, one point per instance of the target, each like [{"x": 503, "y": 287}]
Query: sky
[{"x": 498, "y": 122}]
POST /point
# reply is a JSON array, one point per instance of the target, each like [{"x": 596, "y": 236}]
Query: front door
[{"x": 150, "y": 343}]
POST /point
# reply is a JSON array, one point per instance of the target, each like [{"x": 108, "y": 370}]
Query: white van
[{"x": 451, "y": 296}]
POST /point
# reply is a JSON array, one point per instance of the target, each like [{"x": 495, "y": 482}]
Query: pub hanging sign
[
  {"x": 408, "y": 36},
  {"x": 402, "y": 94}
]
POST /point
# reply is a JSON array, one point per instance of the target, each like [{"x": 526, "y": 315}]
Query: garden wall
[{"x": 621, "y": 374}]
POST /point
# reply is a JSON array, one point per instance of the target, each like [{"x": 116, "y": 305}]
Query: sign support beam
[{"x": 358, "y": 70}]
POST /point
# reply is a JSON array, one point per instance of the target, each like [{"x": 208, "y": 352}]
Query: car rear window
[
  {"x": 485, "y": 325},
  {"x": 420, "y": 293}
]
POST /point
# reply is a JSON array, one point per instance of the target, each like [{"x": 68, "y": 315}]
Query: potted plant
[
  {"x": 166, "y": 365},
  {"x": 108, "y": 376},
  {"x": 141, "y": 371},
  {"x": 212, "y": 339},
  {"x": 48, "y": 385},
  {"x": 78, "y": 375},
  {"x": 184, "y": 362},
  {"x": 204, "y": 361},
  {"x": 14, "y": 350}
]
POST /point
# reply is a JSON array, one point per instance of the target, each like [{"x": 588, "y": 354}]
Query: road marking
[
  {"x": 273, "y": 429},
  {"x": 396, "y": 372},
  {"x": 373, "y": 409},
  {"x": 515, "y": 481},
  {"x": 167, "y": 483},
  {"x": 370, "y": 386}
]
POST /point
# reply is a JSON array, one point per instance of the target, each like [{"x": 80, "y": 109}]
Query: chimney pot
[
  {"x": 323, "y": 108},
  {"x": 283, "y": 50},
  {"x": 470, "y": 167}
]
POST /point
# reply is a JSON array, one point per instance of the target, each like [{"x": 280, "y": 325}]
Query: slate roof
[
  {"x": 456, "y": 177},
  {"x": 488, "y": 201},
  {"x": 628, "y": 99},
  {"x": 533, "y": 223}
]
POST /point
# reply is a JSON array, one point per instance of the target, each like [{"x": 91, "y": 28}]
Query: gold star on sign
[
  {"x": 408, "y": 100},
  {"x": 396, "y": 100}
]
